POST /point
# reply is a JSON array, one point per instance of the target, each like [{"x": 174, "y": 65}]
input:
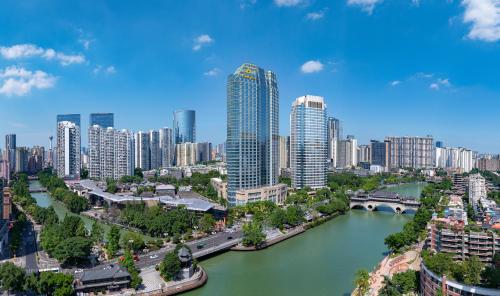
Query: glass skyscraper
[
  {"x": 184, "y": 126},
  {"x": 75, "y": 118},
  {"x": 103, "y": 120},
  {"x": 308, "y": 142},
  {"x": 252, "y": 149}
]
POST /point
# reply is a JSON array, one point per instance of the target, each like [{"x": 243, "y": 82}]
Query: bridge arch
[{"x": 359, "y": 207}]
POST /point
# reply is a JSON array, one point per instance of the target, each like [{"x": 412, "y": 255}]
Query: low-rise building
[
  {"x": 219, "y": 186},
  {"x": 112, "y": 277},
  {"x": 275, "y": 193}
]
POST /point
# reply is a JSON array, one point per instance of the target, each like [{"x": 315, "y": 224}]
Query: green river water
[{"x": 321, "y": 261}]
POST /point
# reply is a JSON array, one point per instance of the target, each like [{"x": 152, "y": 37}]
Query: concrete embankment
[{"x": 198, "y": 280}]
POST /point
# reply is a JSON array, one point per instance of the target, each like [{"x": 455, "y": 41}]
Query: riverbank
[{"x": 198, "y": 279}]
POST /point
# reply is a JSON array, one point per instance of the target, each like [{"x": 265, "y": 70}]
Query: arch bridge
[{"x": 392, "y": 200}]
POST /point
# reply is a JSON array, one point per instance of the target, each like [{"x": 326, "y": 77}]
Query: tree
[
  {"x": 278, "y": 218},
  {"x": 51, "y": 283},
  {"x": 138, "y": 173},
  {"x": 406, "y": 282},
  {"x": 132, "y": 241},
  {"x": 170, "y": 266},
  {"x": 473, "y": 268},
  {"x": 206, "y": 223},
  {"x": 73, "y": 250},
  {"x": 113, "y": 240},
  {"x": 11, "y": 277},
  {"x": 362, "y": 282},
  {"x": 128, "y": 262},
  {"x": 97, "y": 232},
  {"x": 252, "y": 234},
  {"x": 294, "y": 215}
]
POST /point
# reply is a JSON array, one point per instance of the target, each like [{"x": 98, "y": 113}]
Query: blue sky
[{"x": 391, "y": 67}]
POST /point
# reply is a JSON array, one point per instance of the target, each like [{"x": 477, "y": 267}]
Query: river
[{"x": 321, "y": 261}]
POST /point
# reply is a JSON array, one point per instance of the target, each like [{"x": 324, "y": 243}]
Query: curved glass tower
[
  {"x": 184, "y": 126},
  {"x": 252, "y": 148}
]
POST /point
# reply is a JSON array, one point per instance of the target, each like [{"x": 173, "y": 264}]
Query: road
[
  {"x": 155, "y": 257},
  {"x": 28, "y": 247}
]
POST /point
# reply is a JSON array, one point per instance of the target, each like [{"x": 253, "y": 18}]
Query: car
[
  {"x": 79, "y": 271},
  {"x": 200, "y": 246},
  {"x": 154, "y": 256},
  {"x": 229, "y": 237}
]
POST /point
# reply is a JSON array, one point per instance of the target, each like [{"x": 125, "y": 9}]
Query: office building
[
  {"x": 36, "y": 159},
  {"x": 10, "y": 151},
  {"x": 284, "y": 153},
  {"x": 185, "y": 126},
  {"x": 103, "y": 120},
  {"x": 275, "y": 193},
  {"x": 308, "y": 142},
  {"x": 110, "y": 153},
  {"x": 439, "y": 144},
  {"x": 204, "y": 152},
  {"x": 68, "y": 150},
  {"x": 186, "y": 154},
  {"x": 252, "y": 129},
  {"x": 155, "y": 151},
  {"x": 347, "y": 152},
  {"x": 334, "y": 135},
  {"x": 380, "y": 153},
  {"x": 74, "y": 118},
  {"x": 142, "y": 151},
  {"x": 166, "y": 147},
  {"x": 411, "y": 152}
]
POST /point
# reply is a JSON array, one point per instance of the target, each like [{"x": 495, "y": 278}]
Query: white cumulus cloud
[
  {"x": 15, "y": 81},
  {"x": 366, "y": 5},
  {"x": 106, "y": 70},
  {"x": 316, "y": 15},
  {"x": 395, "y": 82},
  {"x": 201, "y": 41},
  {"x": 440, "y": 82},
  {"x": 311, "y": 67},
  {"x": 20, "y": 51},
  {"x": 212, "y": 72},
  {"x": 288, "y": 3},
  {"x": 484, "y": 17}
]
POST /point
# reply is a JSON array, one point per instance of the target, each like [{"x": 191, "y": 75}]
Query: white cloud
[
  {"x": 106, "y": 70},
  {"x": 314, "y": 16},
  {"x": 366, "y": 5},
  {"x": 20, "y": 51},
  {"x": 288, "y": 3},
  {"x": 440, "y": 82},
  {"x": 434, "y": 86},
  {"x": 311, "y": 67},
  {"x": 247, "y": 3},
  {"x": 16, "y": 81},
  {"x": 395, "y": 82},
  {"x": 484, "y": 16},
  {"x": 201, "y": 41},
  {"x": 212, "y": 72},
  {"x": 415, "y": 2}
]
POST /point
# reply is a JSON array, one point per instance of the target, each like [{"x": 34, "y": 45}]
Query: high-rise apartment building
[
  {"x": 459, "y": 159},
  {"x": 155, "y": 151},
  {"x": 412, "y": 152},
  {"x": 347, "y": 152},
  {"x": 186, "y": 154},
  {"x": 380, "y": 153},
  {"x": 252, "y": 129},
  {"x": 22, "y": 155},
  {"x": 185, "y": 126},
  {"x": 308, "y": 142},
  {"x": 103, "y": 120},
  {"x": 68, "y": 150},
  {"x": 166, "y": 147},
  {"x": 142, "y": 151},
  {"x": 204, "y": 152},
  {"x": 364, "y": 154},
  {"x": 110, "y": 153},
  {"x": 284, "y": 153},
  {"x": 334, "y": 135}
]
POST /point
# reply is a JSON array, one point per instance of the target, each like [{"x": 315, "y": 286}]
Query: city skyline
[{"x": 347, "y": 55}]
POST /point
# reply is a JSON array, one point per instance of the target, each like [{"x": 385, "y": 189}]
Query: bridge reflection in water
[{"x": 384, "y": 199}]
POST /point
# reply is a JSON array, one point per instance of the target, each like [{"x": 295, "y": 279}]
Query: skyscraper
[
  {"x": 142, "y": 151},
  {"x": 204, "y": 152},
  {"x": 186, "y": 154},
  {"x": 364, "y": 154},
  {"x": 10, "y": 151},
  {"x": 185, "y": 126},
  {"x": 103, "y": 120},
  {"x": 413, "y": 152},
  {"x": 252, "y": 129},
  {"x": 68, "y": 150},
  {"x": 308, "y": 142},
  {"x": 284, "y": 153},
  {"x": 155, "y": 152},
  {"x": 347, "y": 152},
  {"x": 334, "y": 135},
  {"x": 110, "y": 153},
  {"x": 75, "y": 118},
  {"x": 22, "y": 155},
  {"x": 166, "y": 147},
  {"x": 381, "y": 153}
]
